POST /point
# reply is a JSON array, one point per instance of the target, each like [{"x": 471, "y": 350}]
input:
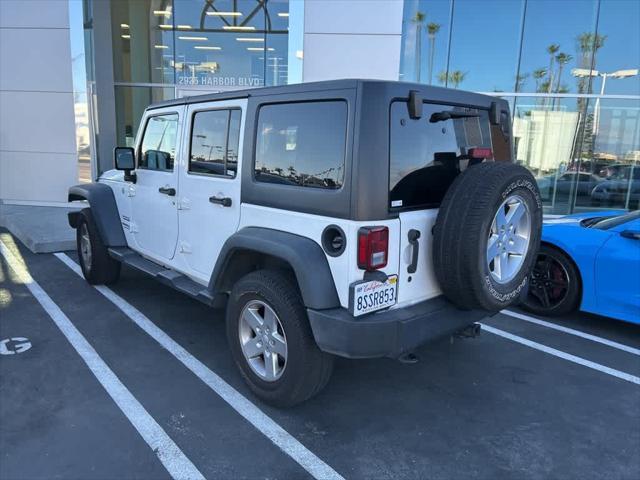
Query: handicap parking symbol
[{"x": 11, "y": 346}]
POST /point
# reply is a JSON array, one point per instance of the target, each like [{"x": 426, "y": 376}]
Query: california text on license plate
[{"x": 370, "y": 296}]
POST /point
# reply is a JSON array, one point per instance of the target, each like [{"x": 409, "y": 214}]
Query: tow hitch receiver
[
  {"x": 470, "y": 331},
  {"x": 409, "y": 358}
]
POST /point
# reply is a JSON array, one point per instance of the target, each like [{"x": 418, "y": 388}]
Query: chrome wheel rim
[
  {"x": 85, "y": 246},
  {"x": 508, "y": 240},
  {"x": 262, "y": 339}
]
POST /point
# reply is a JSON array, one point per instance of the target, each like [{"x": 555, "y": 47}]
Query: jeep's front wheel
[
  {"x": 97, "y": 265},
  {"x": 271, "y": 340}
]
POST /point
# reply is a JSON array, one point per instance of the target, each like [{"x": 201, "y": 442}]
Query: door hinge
[
  {"x": 133, "y": 227},
  {"x": 184, "y": 204},
  {"x": 131, "y": 191},
  {"x": 185, "y": 247}
]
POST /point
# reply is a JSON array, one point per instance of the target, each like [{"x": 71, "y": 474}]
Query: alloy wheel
[
  {"x": 263, "y": 341},
  {"x": 549, "y": 281},
  {"x": 509, "y": 238},
  {"x": 85, "y": 246}
]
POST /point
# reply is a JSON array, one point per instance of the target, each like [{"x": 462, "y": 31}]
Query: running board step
[{"x": 164, "y": 275}]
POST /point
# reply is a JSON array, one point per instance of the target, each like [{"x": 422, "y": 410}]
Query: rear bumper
[{"x": 389, "y": 333}]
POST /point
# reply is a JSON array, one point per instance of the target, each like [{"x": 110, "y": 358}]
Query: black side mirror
[
  {"x": 125, "y": 159},
  {"x": 632, "y": 234}
]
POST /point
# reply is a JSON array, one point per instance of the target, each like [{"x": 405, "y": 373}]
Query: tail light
[
  {"x": 373, "y": 247},
  {"x": 480, "y": 153}
]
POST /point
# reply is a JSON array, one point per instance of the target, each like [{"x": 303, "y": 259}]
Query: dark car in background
[{"x": 615, "y": 190}]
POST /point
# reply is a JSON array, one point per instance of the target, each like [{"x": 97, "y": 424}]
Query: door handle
[
  {"x": 413, "y": 237},
  {"x": 168, "y": 191},
  {"x": 224, "y": 201},
  {"x": 632, "y": 234}
]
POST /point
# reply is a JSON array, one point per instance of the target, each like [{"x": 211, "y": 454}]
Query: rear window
[
  {"x": 302, "y": 144},
  {"x": 425, "y": 153}
]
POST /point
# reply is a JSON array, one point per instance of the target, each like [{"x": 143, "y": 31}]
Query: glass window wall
[
  {"x": 130, "y": 105},
  {"x": 142, "y": 38},
  {"x": 425, "y": 27},
  {"x": 479, "y": 28},
  {"x": 570, "y": 71},
  {"x": 558, "y": 38},
  {"x": 618, "y": 59}
]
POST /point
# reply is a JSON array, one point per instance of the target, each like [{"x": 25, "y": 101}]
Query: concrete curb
[{"x": 41, "y": 229}]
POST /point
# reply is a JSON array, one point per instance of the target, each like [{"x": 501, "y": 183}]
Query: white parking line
[
  {"x": 558, "y": 353},
  {"x": 173, "y": 459},
  {"x": 571, "y": 331},
  {"x": 265, "y": 424}
]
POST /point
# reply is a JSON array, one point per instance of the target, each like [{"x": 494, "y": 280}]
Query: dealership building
[{"x": 76, "y": 75}]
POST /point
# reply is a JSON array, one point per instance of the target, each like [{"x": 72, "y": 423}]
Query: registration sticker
[{"x": 369, "y": 296}]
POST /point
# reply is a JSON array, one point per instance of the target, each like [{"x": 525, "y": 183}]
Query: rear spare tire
[{"x": 486, "y": 236}]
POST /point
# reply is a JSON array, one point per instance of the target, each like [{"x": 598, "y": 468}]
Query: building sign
[{"x": 221, "y": 81}]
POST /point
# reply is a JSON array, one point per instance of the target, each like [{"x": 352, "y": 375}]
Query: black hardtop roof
[{"x": 427, "y": 91}]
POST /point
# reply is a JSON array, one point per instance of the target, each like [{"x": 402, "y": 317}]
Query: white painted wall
[
  {"x": 352, "y": 39},
  {"x": 38, "y": 157}
]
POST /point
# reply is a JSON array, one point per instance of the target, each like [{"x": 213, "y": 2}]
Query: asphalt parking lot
[{"x": 136, "y": 381}]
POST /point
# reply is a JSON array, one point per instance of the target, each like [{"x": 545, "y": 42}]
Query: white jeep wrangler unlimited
[{"x": 353, "y": 218}]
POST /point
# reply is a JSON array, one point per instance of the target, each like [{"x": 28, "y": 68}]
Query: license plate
[{"x": 367, "y": 297}]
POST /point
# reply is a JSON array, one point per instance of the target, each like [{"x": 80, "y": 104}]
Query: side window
[
  {"x": 214, "y": 142},
  {"x": 158, "y": 150},
  {"x": 302, "y": 144}
]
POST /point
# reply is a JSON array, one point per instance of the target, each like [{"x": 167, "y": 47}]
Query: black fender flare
[
  {"x": 305, "y": 257},
  {"x": 104, "y": 209}
]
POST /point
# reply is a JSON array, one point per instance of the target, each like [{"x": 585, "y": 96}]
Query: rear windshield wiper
[{"x": 448, "y": 115}]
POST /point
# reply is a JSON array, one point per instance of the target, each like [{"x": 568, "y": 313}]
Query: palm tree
[
  {"x": 552, "y": 50},
  {"x": 520, "y": 80},
  {"x": 588, "y": 46},
  {"x": 539, "y": 74},
  {"x": 419, "y": 20},
  {"x": 457, "y": 77},
  {"x": 442, "y": 77},
  {"x": 432, "y": 29},
  {"x": 562, "y": 59}
]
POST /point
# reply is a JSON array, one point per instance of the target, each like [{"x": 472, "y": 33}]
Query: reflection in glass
[
  {"x": 580, "y": 168},
  {"x": 484, "y": 45},
  {"x": 302, "y": 144},
  {"x": 615, "y": 157},
  {"x": 230, "y": 44},
  {"x": 425, "y": 33},
  {"x": 426, "y": 156},
  {"x": 158, "y": 149},
  {"x": 141, "y": 32},
  {"x": 80, "y": 98},
  {"x": 214, "y": 142},
  {"x": 558, "y": 37},
  {"x": 619, "y": 57},
  {"x": 130, "y": 105}
]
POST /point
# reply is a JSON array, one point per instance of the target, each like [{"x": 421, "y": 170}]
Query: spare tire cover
[{"x": 486, "y": 236}]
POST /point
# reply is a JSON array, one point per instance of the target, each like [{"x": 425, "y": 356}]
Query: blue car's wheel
[{"x": 554, "y": 286}]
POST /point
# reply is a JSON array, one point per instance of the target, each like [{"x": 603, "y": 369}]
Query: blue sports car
[{"x": 591, "y": 262}]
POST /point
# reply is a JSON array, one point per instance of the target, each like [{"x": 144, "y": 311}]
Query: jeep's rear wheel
[
  {"x": 97, "y": 265},
  {"x": 486, "y": 236},
  {"x": 271, "y": 340}
]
